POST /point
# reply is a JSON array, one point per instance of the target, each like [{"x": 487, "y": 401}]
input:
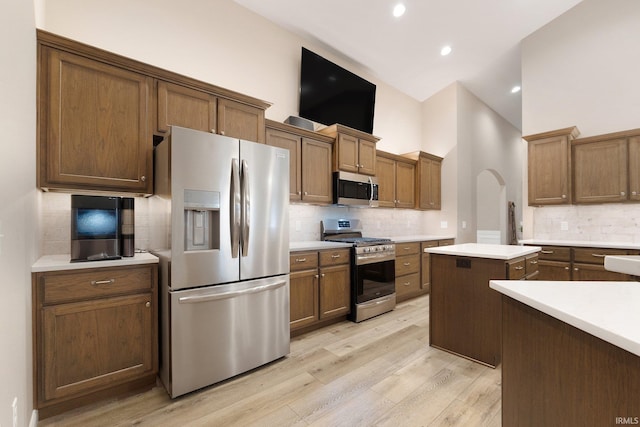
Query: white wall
[
  {"x": 582, "y": 69},
  {"x": 486, "y": 141},
  {"x": 18, "y": 206},
  {"x": 222, "y": 43}
]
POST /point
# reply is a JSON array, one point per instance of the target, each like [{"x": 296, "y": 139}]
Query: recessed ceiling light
[
  {"x": 445, "y": 51},
  {"x": 515, "y": 89},
  {"x": 399, "y": 10}
]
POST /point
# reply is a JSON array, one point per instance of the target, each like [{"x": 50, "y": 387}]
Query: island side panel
[
  {"x": 464, "y": 313},
  {"x": 556, "y": 374}
]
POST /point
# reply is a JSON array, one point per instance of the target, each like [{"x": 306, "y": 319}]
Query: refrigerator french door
[{"x": 224, "y": 279}]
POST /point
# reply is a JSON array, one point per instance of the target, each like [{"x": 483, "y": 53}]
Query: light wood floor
[{"x": 380, "y": 372}]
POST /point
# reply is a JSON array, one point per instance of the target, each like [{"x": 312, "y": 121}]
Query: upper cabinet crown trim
[
  {"x": 609, "y": 136},
  {"x": 335, "y": 129},
  {"x": 62, "y": 43},
  {"x": 271, "y": 124},
  {"x": 572, "y": 132}
]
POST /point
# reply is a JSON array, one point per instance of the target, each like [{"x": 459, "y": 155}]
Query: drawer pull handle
[
  {"x": 322, "y": 275},
  {"x": 147, "y": 304},
  {"x": 566, "y": 268},
  {"x": 598, "y": 255},
  {"x": 533, "y": 262},
  {"x": 407, "y": 283},
  {"x": 406, "y": 264},
  {"x": 519, "y": 268},
  {"x": 301, "y": 260},
  {"x": 103, "y": 282},
  {"x": 546, "y": 252},
  {"x": 407, "y": 248},
  {"x": 335, "y": 256}
]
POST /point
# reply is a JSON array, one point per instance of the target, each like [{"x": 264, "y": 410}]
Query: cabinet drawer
[
  {"x": 446, "y": 242},
  {"x": 531, "y": 264},
  {"x": 407, "y": 284},
  {"x": 303, "y": 260},
  {"x": 407, "y": 265},
  {"x": 516, "y": 269},
  {"x": 594, "y": 255},
  {"x": 430, "y": 244},
  {"x": 334, "y": 257},
  {"x": 555, "y": 253},
  {"x": 96, "y": 283},
  {"x": 407, "y": 248}
]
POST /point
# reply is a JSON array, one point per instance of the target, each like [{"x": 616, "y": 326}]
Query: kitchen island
[
  {"x": 571, "y": 353},
  {"x": 464, "y": 313}
]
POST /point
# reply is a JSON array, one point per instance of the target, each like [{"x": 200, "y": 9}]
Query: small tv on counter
[{"x": 330, "y": 94}]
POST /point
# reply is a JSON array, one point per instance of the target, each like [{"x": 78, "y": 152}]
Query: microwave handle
[{"x": 371, "y": 185}]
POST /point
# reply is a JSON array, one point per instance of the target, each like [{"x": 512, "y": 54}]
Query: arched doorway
[{"x": 491, "y": 208}]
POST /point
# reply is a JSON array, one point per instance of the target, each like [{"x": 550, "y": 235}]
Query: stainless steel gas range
[{"x": 373, "y": 260}]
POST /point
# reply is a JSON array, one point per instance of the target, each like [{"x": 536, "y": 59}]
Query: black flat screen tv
[{"x": 330, "y": 94}]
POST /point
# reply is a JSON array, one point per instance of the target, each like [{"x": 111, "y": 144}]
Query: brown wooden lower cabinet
[
  {"x": 95, "y": 334},
  {"x": 554, "y": 374},
  {"x": 578, "y": 263},
  {"x": 320, "y": 288},
  {"x": 464, "y": 313}
]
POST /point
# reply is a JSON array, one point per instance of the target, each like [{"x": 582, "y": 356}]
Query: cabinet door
[
  {"x": 185, "y": 107},
  {"x": 634, "y": 168},
  {"x": 292, "y": 143},
  {"x": 90, "y": 345},
  {"x": 241, "y": 121},
  {"x": 347, "y": 153},
  {"x": 596, "y": 272},
  {"x": 405, "y": 185},
  {"x": 366, "y": 157},
  {"x": 429, "y": 192},
  {"x": 435, "y": 181},
  {"x": 95, "y": 132},
  {"x": 548, "y": 169},
  {"x": 316, "y": 171},
  {"x": 386, "y": 174},
  {"x": 335, "y": 292},
  {"x": 303, "y": 298},
  {"x": 600, "y": 171},
  {"x": 553, "y": 270}
]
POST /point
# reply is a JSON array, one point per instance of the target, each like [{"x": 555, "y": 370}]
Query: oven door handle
[
  {"x": 378, "y": 301},
  {"x": 370, "y": 259}
]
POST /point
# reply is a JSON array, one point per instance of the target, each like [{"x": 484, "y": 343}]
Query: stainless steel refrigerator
[{"x": 225, "y": 276}]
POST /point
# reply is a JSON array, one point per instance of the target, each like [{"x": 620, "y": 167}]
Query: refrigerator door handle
[
  {"x": 246, "y": 208},
  {"x": 235, "y": 214},
  {"x": 213, "y": 296}
]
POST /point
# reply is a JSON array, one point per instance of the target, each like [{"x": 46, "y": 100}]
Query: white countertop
[
  {"x": 607, "y": 310},
  {"x": 316, "y": 245},
  {"x": 626, "y": 264},
  {"x": 483, "y": 250},
  {"x": 419, "y": 238},
  {"x": 63, "y": 262},
  {"x": 581, "y": 243}
]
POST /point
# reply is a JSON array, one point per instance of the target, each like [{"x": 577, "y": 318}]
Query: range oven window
[{"x": 375, "y": 280}]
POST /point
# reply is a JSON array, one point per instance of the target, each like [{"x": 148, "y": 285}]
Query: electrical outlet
[
  {"x": 564, "y": 226},
  {"x": 444, "y": 224},
  {"x": 298, "y": 225},
  {"x": 464, "y": 225},
  {"x": 14, "y": 405}
]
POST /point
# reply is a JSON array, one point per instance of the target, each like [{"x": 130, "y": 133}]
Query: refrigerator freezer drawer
[{"x": 218, "y": 332}]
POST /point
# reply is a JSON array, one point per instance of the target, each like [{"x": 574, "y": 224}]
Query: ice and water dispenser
[{"x": 201, "y": 220}]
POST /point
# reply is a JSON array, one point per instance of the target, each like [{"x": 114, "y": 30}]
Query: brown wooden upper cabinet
[
  {"x": 396, "y": 180},
  {"x": 309, "y": 161},
  {"x": 606, "y": 168},
  {"x": 549, "y": 166},
  {"x": 97, "y": 113},
  {"x": 428, "y": 180},
  {"x": 355, "y": 151},
  {"x": 197, "y": 109},
  {"x": 94, "y": 128}
]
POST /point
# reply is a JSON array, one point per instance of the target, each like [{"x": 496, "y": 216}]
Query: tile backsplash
[
  {"x": 602, "y": 223},
  {"x": 304, "y": 222}
]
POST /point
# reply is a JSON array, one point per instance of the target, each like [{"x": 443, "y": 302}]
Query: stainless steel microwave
[{"x": 354, "y": 189}]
